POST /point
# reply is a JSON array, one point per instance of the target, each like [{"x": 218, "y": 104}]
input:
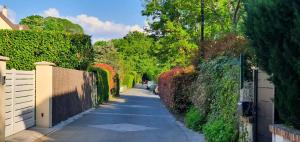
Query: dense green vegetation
[
  {"x": 222, "y": 94},
  {"x": 131, "y": 56},
  {"x": 194, "y": 119},
  {"x": 176, "y": 28},
  {"x": 136, "y": 50},
  {"x": 208, "y": 94},
  {"x": 102, "y": 84},
  {"x": 39, "y": 23},
  {"x": 24, "y": 48},
  {"x": 273, "y": 27}
]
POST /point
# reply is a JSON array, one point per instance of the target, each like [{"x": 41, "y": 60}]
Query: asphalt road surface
[{"x": 137, "y": 116}]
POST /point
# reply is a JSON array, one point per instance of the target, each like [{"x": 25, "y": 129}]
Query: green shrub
[
  {"x": 220, "y": 130},
  {"x": 24, "y": 48},
  {"x": 194, "y": 119},
  {"x": 102, "y": 84},
  {"x": 273, "y": 27},
  {"x": 216, "y": 94},
  {"x": 182, "y": 83},
  {"x": 116, "y": 90},
  {"x": 174, "y": 87},
  {"x": 128, "y": 81}
]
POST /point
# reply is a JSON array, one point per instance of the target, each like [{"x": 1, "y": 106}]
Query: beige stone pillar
[
  {"x": 2, "y": 98},
  {"x": 44, "y": 71}
]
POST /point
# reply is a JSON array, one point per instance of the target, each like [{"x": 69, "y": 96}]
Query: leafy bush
[
  {"x": 194, "y": 119},
  {"x": 219, "y": 130},
  {"x": 111, "y": 73},
  {"x": 215, "y": 94},
  {"x": 128, "y": 80},
  {"x": 102, "y": 83},
  {"x": 24, "y": 48},
  {"x": 273, "y": 27},
  {"x": 173, "y": 88},
  {"x": 116, "y": 90},
  {"x": 182, "y": 84}
]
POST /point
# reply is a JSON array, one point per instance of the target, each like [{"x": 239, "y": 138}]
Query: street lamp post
[{"x": 202, "y": 28}]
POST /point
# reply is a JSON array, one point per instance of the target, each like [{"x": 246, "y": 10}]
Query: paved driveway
[{"x": 138, "y": 116}]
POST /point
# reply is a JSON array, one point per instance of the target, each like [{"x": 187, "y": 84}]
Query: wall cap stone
[
  {"x": 285, "y": 132},
  {"x": 246, "y": 119},
  {"x": 44, "y": 63},
  {"x": 3, "y": 58}
]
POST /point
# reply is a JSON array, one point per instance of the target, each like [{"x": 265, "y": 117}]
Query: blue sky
[{"x": 103, "y": 19}]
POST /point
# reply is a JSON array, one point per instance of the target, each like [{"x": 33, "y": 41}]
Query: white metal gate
[{"x": 19, "y": 101}]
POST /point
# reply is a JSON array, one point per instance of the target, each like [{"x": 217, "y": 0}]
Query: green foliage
[
  {"x": 136, "y": 58},
  {"x": 105, "y": 52},
  {"x": 102, "y": 84},
  {"x": 24, "y": 48},
  {"x": 39, "y": 23},
  {"x": 216, "y": 94},
  {"x": 128, "y": 80},
  {"x": 175, "y": 26},
  {"x": 194, "y": 119},
  {"x": 182, "y": 92},
  {"x": 220, "y": 130},
  {"x": 221, "y": 16},
  {"x": 273, "y": 27},
  {"x": 117, "y": 87}
]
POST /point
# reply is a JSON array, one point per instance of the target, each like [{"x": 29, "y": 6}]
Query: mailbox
[
  {"x": 2, "y": 80},
  {"x": 245, "y": 109}
]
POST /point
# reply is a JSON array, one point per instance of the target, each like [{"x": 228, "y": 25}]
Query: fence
[
  {"x": 19, "y": 101},
  {"x": 72, "y": 93},
  {"x": 62, "y": 93},
  {"x": 43, "y": 97}
]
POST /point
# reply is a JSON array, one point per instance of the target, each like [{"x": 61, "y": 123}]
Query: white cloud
[
  {"x": 95, "y": 39},
  {"x": 95, "y": 26},
  {"x": 11, "y": 14},
  {"x": 51, "y": 12}
]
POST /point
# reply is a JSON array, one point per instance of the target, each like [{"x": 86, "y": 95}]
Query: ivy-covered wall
[
  {"x": 102, "y": 83},
  {"x": 24, "y": 48},
  {"x": 215, "y": 95}
]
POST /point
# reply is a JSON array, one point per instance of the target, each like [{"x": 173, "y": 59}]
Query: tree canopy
[
  {"x": 136, "y": 50},
  {"x": 221, "y": 16},
  {"x": 39, "y": 23}
]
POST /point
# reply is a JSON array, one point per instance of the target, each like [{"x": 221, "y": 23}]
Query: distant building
[{"x": 5, "y": 23}]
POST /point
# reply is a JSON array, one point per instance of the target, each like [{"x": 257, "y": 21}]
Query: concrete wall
[
  {"x": 44, "y": 94},
  {"x": 265, "y": 107},
  {"x": 72, "y": 93}
]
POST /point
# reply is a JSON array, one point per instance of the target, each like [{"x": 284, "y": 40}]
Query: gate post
[
  {"x": 2, "y": 98},
  {"x": 43, "y": 76}
]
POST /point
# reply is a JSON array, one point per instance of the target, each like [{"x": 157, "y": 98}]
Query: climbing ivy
[{"x": 24, "y": 48}]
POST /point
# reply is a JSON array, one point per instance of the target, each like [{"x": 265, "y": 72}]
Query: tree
[
  {"x": 39, "y": 23},
  {"x": 273, "y": 27},
  {"x": 222, "y": 16},
  {"x": 177, "y": 25},
  {"x": 136, "y": 50},
  {"x": 105, "y": 52}
]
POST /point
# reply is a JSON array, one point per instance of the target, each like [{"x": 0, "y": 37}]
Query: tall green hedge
[
  {"x": 116, "y": 90},
  {"x": 274, "y": 29},
  {"x": 215, "y": 94},
  {"x": 102, "y": 84},
  {"x": 128, "y": 80},
  {"x": 24, "y": 48}
]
